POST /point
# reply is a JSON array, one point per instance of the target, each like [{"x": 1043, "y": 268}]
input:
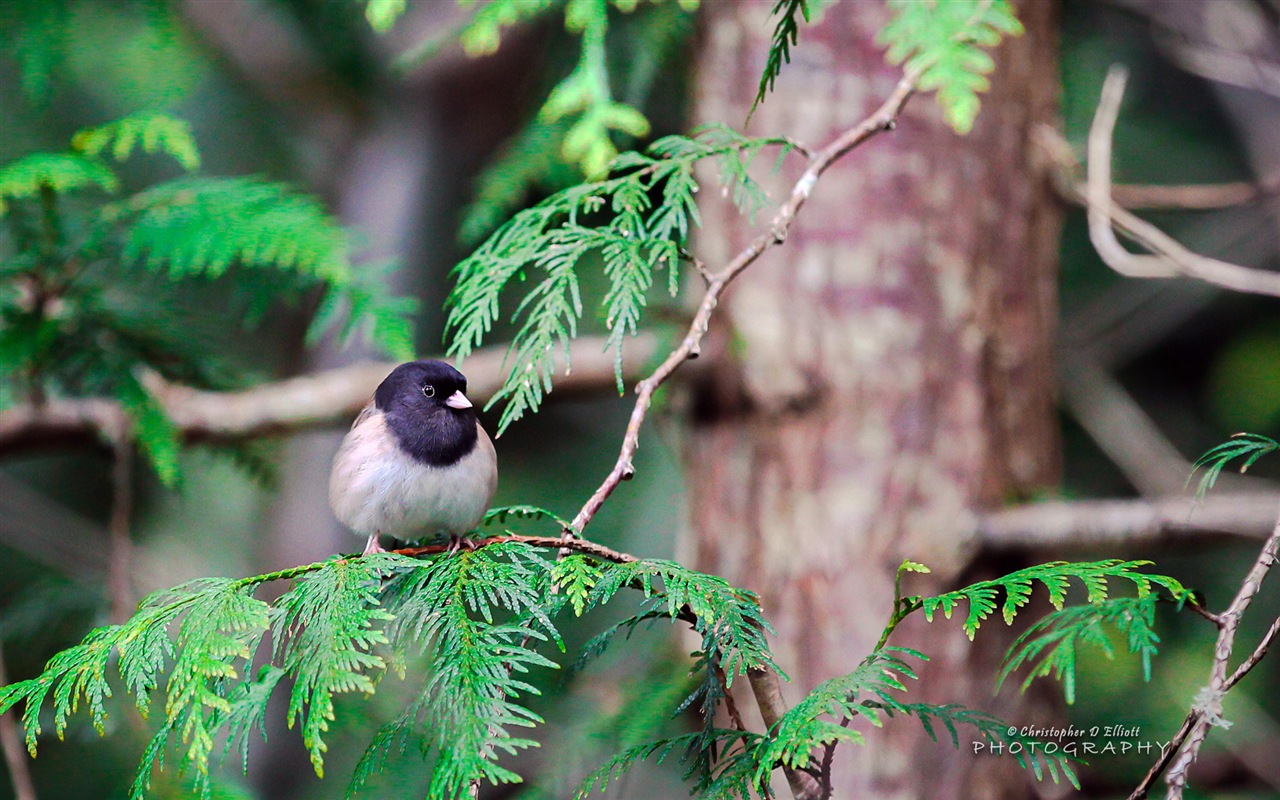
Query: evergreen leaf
[
  {"x": 802, "y": 729},
  {"x": 1050, "y": 645},
  {"x": 1252, "y": 446},
  {"x": 201, "y": 226},
  {"x": 615, "y": 220},
  {"x": 153, "y": 132},
  {"x": 785, "y": 34},
  {"x": 155, "y": 433},
  {"x": 55, "y": 172},
  {"x": 998, "y": 735},
  {"x": 324, "y": 629},
  {"x": 943, "y": 43},
  {"x": 452, "y": 606},
  {"x": 1054, "y": 576}
]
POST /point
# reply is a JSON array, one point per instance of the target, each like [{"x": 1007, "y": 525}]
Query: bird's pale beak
[{"x": 458, "y": 400}]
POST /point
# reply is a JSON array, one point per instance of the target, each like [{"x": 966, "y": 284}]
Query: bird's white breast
[{"x": 376, "y": 488}]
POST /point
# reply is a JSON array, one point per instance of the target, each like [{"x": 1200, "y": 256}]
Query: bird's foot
[
  {"x": 457, "y": 543},
  {"x": 372, "y": 546}
]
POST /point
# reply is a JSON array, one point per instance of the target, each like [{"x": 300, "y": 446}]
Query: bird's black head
[{"x": 427, "y": 409}]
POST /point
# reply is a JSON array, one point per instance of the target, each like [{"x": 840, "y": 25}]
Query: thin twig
[
  {"x": 581, "y": 545},
  {"x": 1208, "y": 707},
  {"x": 1170, "y": 258},
  {"x": 1252, "y": 661},
  {"x": 883, "y": 119},
  {"x": 1157, "y": 769}
]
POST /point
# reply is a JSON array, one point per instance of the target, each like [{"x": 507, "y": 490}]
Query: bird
[{"x": 416, "y": 462}]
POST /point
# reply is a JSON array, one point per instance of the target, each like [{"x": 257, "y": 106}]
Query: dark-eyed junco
[{"x": 416, "y": 463}]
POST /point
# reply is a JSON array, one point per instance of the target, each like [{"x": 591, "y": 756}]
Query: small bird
[{"x": 415, "y": 463}]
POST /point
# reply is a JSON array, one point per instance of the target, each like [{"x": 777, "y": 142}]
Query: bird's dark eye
[{"x": 429, "y": 390}]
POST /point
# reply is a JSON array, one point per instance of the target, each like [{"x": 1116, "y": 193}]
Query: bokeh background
[{"x": 393, "y": 132}]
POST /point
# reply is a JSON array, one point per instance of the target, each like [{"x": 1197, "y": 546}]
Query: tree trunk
[{"x": 884, "y": 375}]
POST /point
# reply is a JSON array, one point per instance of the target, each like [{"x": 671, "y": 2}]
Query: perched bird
[{"x": 415, "y": 463}]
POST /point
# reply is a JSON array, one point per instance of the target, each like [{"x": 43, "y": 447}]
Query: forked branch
[{"x": 1206, "y": 711}]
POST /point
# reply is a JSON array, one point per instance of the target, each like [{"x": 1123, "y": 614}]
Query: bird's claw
[{"x": 457, "y": 543}]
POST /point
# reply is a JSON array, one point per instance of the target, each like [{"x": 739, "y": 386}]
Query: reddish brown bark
[{"x": 883, "y": 375}]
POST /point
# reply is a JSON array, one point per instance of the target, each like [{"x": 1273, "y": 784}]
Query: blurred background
[{"x": 420, "y": 148}]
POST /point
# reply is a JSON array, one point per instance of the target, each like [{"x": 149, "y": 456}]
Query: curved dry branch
[{"x": 1170, "y": 258}]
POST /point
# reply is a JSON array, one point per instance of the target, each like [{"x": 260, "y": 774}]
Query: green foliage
[
  {"x": 1056, "y": 577},
  {"x": 997, "y": 734},
  {"x": 785, "y": 34},
  {"x": 803, "y": 728},
  {"x": 1252, "y": 446},
  {"x": 48, "y": 174},
  {"x": 483, "y": 34},
  {"x": 156, "y": 133},
  {"x": 478, "y": 661},
  {"x": 382, "y": 14},
  {"x": 820, "y": 719},
  {"x": 659, "y": 751},
  {"x": 324, "y": 633},
  {"x": 201, "y": 226},
  {"x": 729, "y": 620},
  {"x": 67, "y": 327},
  {"x": 617, "y": 220},
  {"x": 1053, "y": 640},
  {"x": 502, "y": 514},
  {"x": 481, "y": 616},
  {"x": 574, "y": 130},
  {"x": 325, "y": 629},
  {"x": 152, "y": 429},
  {"x": 943, "y": 43},
  {"x": 576, "y": 576},
  {"x": 218, "y": 625},
  {"x": 478, "y": 615}
]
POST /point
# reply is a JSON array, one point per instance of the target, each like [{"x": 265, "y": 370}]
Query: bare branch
[
  {"x": 324, "y": 398},
  {"x": 580, "y": 545},
  {"x": 1119, "y": 426},
  {"x": 1257, "y": 655},
  {"x": 1207, "y": 709},
  {"x": 883, "y": 119},
  {"x": 768, "y": 694},
  {"x": 1170, "y": 258},
  {"x": 1186, "y": 197},
  {"x": 1090, "y": 524}
]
